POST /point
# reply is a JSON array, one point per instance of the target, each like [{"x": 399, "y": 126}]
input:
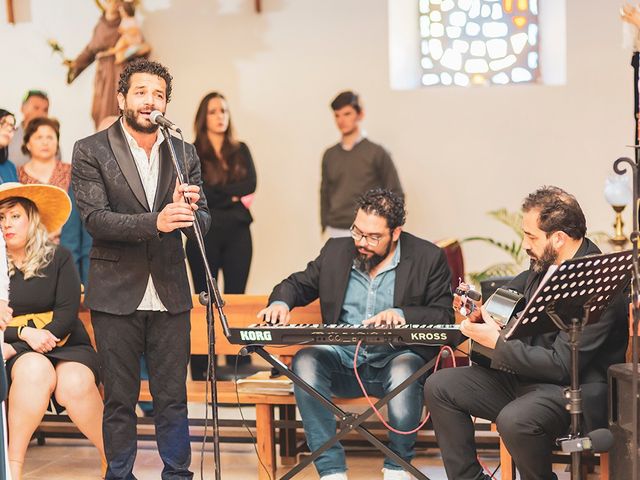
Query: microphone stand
[
  {"x": 209, "y": 298},
  {"x": 620, "y": 169}
]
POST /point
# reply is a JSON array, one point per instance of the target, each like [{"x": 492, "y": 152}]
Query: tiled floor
[
  {"x": 61, "y": 459},
  {"x": 76, "y": 459}
]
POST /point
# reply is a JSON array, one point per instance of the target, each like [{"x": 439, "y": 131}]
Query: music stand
[{"x": 578, "y": 290}]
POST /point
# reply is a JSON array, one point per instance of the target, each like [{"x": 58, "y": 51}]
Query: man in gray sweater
[{"x": 350, "y": 168}]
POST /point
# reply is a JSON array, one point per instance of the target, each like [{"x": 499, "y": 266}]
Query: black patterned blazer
[{"x": 127, "y": 246}]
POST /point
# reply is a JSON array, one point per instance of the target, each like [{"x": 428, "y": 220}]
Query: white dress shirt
[{"x": 148, "y": 168}]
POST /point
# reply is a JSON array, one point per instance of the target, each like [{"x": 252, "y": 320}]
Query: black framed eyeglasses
[
  {"x": 7, "y": 123},
  {"x": 357, "y": 235}
]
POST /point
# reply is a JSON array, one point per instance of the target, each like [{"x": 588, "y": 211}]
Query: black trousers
[
  {"x": 164, "y": 340},
  {"x": 229, "y": 248},
  {"x": 529, "y": 417}
]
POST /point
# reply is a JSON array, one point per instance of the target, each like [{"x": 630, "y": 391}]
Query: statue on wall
[
  {"x": 131, "y": 43},
  {"x": 103, "y": 49}
]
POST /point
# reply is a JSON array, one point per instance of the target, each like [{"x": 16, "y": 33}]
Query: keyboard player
[{"x": 381, "y": 276}]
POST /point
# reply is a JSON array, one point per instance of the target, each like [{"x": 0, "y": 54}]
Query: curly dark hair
[
  {"x": 142, "y": 65},
  {"x": 559, "y": 211},
  {"x": 384, "y": 203}
]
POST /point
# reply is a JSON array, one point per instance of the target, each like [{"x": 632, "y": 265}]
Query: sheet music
[
  {"x": 589, "y": 281},
  {"x": 550, "y": 271}
]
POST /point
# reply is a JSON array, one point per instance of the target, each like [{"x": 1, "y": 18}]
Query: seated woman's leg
[
  {"x": 76, "y": 390},
  {"x": 33, "y": 380}
]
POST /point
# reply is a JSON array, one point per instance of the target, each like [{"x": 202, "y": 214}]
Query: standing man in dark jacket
[
  {"x": 523, "y": 391},
  {"x": 380, "y": 276},
  {"x": 130, "y": 201},
  {"x": 351, "y": 167}
]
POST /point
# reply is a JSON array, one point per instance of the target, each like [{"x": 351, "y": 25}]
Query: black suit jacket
[
  {"x": 127, "y": 246},
  {"x": 422, "y": 287},
  {"x": 546, "y": 358}
]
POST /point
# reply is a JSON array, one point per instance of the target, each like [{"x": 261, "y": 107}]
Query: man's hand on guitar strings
[{"x": 486, "y": 334}]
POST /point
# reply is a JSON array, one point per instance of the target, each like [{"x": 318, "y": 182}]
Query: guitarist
[{"x": 522, "y": 391}]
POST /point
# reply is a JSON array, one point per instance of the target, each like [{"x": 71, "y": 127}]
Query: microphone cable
[{"x": 444, "y": 348}]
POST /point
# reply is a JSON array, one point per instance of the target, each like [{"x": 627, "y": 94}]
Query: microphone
[
  {"x": 157, "y": 118},
  {"x": 599, "y": 441}
]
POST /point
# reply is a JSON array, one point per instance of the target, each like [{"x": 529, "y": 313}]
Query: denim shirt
[{"x": 364, "y": 298}]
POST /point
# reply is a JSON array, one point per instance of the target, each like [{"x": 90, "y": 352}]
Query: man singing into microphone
[{"x": 133, "y": 207}]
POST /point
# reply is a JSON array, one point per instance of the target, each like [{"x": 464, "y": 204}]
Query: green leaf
[
  {"x": 513, "y": 220},
  {"x": 513, "y": 249}
]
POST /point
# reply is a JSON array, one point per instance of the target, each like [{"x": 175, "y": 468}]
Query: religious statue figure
[
  {"x": 106, "y": 35},
  {"x": 131, "y": 43}
]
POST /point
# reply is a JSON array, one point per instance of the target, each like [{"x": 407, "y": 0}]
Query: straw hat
[{"x": 52, "y": 202}]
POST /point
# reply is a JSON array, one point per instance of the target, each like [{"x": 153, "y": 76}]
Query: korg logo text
[{"x": 255, "y": 336}]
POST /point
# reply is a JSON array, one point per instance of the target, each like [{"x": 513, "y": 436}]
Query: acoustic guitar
[{"x": 502, "y": 306}]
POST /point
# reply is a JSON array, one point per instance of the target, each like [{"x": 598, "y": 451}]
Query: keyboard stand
[{"x": 347, "y": 421}]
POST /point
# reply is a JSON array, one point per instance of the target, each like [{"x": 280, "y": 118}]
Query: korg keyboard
[{"x": 343, "y": 334}]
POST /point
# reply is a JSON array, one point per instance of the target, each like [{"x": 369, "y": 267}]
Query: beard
[
  {"x": 130, "y": 116},
  {"x": 366, "y": 264},
  {"x": 544, "y": 261}
]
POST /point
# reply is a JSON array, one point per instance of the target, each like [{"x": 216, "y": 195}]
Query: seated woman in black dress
[{"x": 44, "y": 359}]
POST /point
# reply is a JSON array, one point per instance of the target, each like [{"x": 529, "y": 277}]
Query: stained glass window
[{"x": 479, "y": 42}]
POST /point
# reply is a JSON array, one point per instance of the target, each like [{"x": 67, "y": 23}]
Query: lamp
[{"x": 617, "y": 192}]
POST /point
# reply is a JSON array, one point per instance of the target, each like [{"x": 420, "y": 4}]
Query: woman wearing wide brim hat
[
  {"x": 54, "y": 205},
  {"x": 47, "y": 348}
]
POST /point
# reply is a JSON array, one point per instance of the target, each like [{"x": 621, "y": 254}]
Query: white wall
[{"x": 459, "y": 152}]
